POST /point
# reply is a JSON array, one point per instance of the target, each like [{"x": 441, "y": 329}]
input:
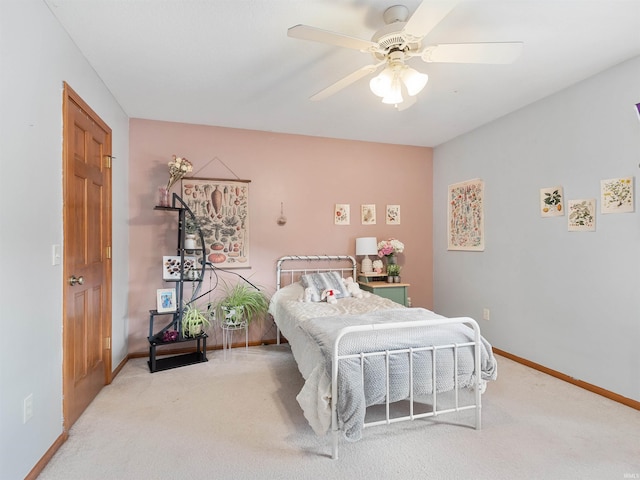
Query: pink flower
[{"x": 390, "y": 247}]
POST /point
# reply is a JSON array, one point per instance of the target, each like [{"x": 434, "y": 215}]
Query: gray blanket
[{"x": 354, "y": 395}]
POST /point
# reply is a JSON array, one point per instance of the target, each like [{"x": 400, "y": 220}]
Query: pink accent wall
[{"x": 308, "y": 174}]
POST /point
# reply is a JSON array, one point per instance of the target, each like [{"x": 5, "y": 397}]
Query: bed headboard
[{"x": 298, "y": 265}]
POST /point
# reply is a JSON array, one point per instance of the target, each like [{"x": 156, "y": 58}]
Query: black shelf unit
[{"x": 174, "y": 324}]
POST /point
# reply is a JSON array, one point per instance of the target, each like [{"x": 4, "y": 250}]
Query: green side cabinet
[{"x": 398, "y": 292}]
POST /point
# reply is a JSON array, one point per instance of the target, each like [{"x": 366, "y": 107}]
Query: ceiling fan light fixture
[
  {"x": 400, "y": 40},
  {"x": 381, "y": 84},
  {"x": 394, "y": 95},
  {"x": 414, "y": 81}
]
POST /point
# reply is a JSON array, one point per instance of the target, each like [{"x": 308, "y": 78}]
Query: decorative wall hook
[{"x": 282, "y": 220}]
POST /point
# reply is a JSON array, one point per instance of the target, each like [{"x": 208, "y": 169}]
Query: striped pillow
[{"x": 319, "y": 282}]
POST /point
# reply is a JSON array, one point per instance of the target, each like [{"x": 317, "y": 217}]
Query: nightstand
[{"x": 398, "y": 292}]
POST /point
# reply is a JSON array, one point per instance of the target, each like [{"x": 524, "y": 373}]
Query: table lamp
[{"x": 366, "y": 246}]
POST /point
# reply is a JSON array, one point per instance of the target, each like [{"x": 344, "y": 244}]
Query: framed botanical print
[
  {"x": 582, "y": 215},
  {"x": 368, "y": 214},
  {"x": 393, "y": 214},
  {"x": 551, "y": 202},
  {"x": 221, "y": 208},
  {"x": 342, "y": 214},
  {"x": 616, "y": 195},
  {"x": 465, "y": 220}
]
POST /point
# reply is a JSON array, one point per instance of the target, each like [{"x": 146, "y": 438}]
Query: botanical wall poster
[
  {"x": 342, "y": 214},
  {"x": 551, "y": 202},
  {"x": 582, "y": 215},
  {"x": 465, "y": 220},
  {"x": 616, "y": 195},
  {"x": 221, "y": 208},
  {"x": 368, "y": 214},
  {"x": 393, "y": 215}
]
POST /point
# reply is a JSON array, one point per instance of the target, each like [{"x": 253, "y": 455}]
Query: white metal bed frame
[
  {"x": 337, "y": 358},
  {"x": 294, "y": 274}
]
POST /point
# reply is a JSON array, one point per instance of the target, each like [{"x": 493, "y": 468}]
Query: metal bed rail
[
  {"x": 477, "y": 373},
  {"x": 293, "y": 274}
]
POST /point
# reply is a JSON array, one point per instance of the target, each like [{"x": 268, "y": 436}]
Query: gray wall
[
  {"x": 567, "y": 300},
  {"x": 36, "y": 56}
]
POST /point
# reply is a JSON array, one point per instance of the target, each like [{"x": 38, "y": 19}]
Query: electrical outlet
[
  {"x": 486, "y": 315},
  {"x": 27, "y": 411}
]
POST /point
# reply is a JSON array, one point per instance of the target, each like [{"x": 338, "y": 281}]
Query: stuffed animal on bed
[
  {"x": 354, "y": 289},
  {"x": 307, "y": 295},
  {"x": 329, "y": 295}
]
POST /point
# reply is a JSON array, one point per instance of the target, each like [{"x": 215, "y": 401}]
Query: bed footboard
[{"x": 388, "y": 354}]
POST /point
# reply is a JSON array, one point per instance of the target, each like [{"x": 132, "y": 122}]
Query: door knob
[{"x": 73, "y": 280}]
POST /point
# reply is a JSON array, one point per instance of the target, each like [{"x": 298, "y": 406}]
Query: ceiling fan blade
[
  {"x": 346, "y": 81},
  {"x": 427, "y": 16},
  {"x": 491, "y": 53},
  {"x": 304, "y": 32}
]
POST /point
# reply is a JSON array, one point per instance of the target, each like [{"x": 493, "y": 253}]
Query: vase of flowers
[
  {"x": 389, "y": 248},
  {"x": 163, "y": 196},
  {"x": 178, "y": 168}
]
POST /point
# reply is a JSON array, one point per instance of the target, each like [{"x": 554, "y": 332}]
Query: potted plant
[
  {"x": 393, "y": 273},
  {"x": 191, "y": 227},
  {"x": 194, "y": 321},
  {"x": 240, "y": 304}
]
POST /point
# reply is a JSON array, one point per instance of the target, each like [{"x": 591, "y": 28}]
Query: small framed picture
[
  {"x": 616, "y": 195},
  {"x": 582, "y": 215},
  {"x": 166, "y": 300},
  {"x": 551, "y": 202},
  {"x": 393, "y": 215},
  {"x": 341, "y": 214},
  {"x": 368, "y": 214},
  {"x": 171, "y": 267}
]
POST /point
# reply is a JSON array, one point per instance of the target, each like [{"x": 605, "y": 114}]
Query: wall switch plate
[
  {"x": 56, "y": 254},
  {"x": 486, "y": 314},
  {"x": 27, "y": 412}
]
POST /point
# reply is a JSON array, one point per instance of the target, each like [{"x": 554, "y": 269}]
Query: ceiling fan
[{"x": 400, "y": 40}]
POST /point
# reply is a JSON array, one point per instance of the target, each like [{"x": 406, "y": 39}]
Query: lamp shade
[
  {"x": 394, "y": 94},
  {"x": 414, "y": 81},
  {"x": 366, "y": 246},
  {"x": 381, "y": 84},
  {"x": 388, "y": 84}
]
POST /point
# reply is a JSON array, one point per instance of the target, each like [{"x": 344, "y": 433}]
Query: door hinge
[
  {"x": 107, "y": 161},
  {"x": 108, "y": 252},
  {"x": 107, "y": 343}
]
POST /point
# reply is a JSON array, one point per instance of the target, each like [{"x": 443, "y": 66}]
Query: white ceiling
[{"x": 230, "y": 62}]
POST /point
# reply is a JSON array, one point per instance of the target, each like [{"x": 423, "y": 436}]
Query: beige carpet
[{"x": 238, "y": 419}]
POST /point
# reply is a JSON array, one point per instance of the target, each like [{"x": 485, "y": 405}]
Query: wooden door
[{"x": 87, "y": 256}]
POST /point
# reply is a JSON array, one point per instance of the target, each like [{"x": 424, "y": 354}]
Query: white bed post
[
  {"x": 335, "y": 430},
  {"x": 478, "y": 372}
]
